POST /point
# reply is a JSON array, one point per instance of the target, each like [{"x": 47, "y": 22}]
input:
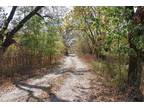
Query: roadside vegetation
[{"x": 110, "y": 39}]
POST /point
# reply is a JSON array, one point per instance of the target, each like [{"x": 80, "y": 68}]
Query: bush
[{"x": 113, "y": 72}]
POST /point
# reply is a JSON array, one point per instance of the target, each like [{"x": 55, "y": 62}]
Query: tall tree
[{"x": 134, "y": 38}]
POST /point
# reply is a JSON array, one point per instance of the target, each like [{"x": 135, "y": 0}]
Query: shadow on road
[{"x": 28, "y": 88}]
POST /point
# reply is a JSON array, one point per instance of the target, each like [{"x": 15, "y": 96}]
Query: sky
[{"x": 8, "y": 8}]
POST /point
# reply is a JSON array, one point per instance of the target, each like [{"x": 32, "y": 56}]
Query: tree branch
[
  {"x": 6, "y": 23},
  {"x": 23, "y": 21},
  {"x": 44, "y": 16},
  {"x": 9, "y": 36},
  {"x": 10, "y": 16}
]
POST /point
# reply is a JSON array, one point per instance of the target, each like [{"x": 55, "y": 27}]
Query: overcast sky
[{"x": 8, "y": 8}]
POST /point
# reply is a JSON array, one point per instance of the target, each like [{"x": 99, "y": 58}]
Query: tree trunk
[
  {"x": 134, "y": 76},
  {"x": 9, "y": 36},
  {"x": 135, "y": 67},
  {"x": 135, "y": 70}
]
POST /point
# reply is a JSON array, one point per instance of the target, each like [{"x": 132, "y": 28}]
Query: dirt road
[{"x": 70, "y": 81}]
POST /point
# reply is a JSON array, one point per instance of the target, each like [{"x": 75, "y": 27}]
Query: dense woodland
[{"x": 111, "y": 37}]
